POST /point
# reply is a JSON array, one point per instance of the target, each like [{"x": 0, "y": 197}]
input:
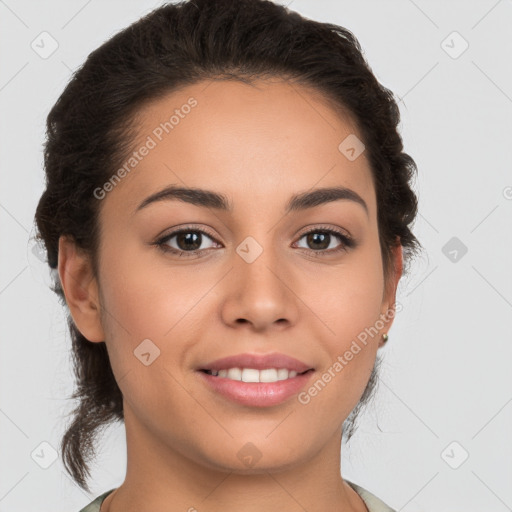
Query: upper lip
[{"x": 258, "y": 362}]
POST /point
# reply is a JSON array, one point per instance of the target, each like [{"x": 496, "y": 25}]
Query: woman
[{"x": 262, "y": 140}]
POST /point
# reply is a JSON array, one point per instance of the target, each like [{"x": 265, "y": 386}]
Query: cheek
[
  {"x": 141, "y": 297},
  {"x": 350, "y": 299},
  {"x": 144, "y": 317},
  {"x": 145, "y": 301},
  {"x": 352, "y": 311}
]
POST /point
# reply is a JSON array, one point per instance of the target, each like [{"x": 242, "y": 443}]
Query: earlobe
[{"x": 80, "y": 289}]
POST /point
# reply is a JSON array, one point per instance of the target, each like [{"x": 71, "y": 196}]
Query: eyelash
[{"x": 346, "y": 241}]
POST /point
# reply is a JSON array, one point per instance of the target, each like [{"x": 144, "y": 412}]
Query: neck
[{"x": 158, "y": 475}]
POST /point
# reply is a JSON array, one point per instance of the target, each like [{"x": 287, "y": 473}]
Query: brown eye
[
  {"x": 320, "y": 241},
  {"x": 187, "y": 241}
]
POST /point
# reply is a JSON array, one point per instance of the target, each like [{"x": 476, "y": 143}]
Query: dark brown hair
[{"x": 92, "y": 127}]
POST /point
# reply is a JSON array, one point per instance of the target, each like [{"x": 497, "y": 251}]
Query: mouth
[
  {"x": 256, "y": 380},
  {"x": 255, "y": 388}
]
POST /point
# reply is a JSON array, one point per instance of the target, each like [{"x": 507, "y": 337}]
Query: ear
[
  {"x": 80, "y": 289},
  {"x": 389, "y": 297}
]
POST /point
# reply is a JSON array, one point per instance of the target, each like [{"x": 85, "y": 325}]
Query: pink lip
[
  {"x": 258, "y": 362},
  {"x": 257, "y": 394}
]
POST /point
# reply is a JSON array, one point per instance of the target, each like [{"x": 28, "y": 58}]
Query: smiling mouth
[{"x": 252, "y": 387}]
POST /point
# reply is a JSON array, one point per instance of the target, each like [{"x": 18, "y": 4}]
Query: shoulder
[
  {"x": 371, "y": 501},
  {"x": 95, "y": 505}
]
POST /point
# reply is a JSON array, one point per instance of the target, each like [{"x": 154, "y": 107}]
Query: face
[{"x": 252, "y": 278}]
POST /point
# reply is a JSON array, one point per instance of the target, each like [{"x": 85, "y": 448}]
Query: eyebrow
[{"x": 218, "y": 201}]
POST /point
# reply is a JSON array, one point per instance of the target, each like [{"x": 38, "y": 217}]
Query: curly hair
[{"x": 92, "y": 127}]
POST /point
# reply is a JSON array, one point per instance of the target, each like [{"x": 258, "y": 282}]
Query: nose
[{"x": 260, "y": 293}]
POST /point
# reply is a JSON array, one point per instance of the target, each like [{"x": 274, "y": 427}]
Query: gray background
[{"x": 446, "y": 376}]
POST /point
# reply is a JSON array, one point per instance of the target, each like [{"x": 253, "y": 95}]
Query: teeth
[{"x": 254, "y": 375}]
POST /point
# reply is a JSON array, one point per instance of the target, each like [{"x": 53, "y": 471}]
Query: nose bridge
[
  {"x": 259, "y": 259},
  {"x": 257, "y": 234},
  {"x": 259, "y": 292}
]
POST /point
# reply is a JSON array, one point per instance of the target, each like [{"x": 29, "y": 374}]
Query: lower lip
[{"x": 257, "y": 394}]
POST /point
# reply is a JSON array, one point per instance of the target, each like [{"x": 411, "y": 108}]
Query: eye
[
  {"x": 322, "y": 238},
  {"x": 188, "y": 241}
]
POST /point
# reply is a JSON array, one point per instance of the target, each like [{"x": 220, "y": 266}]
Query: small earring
[{"x": 385, "y": 338}]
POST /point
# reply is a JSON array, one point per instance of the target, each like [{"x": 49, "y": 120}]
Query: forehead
[{"x": 263, "y": 141}]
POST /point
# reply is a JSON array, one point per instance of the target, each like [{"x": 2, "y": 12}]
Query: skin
[{"x": 258, "y": 145}]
